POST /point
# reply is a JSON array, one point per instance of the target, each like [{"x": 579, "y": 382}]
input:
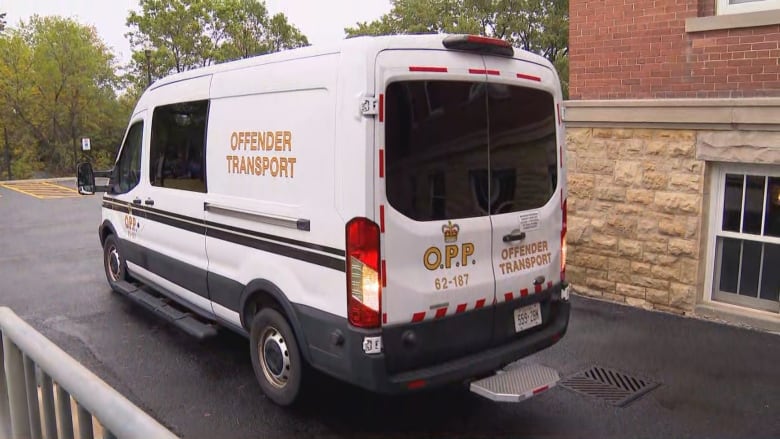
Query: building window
[
  {"x": 746, "y": 238},
  {"x": 740, "y": 6}
]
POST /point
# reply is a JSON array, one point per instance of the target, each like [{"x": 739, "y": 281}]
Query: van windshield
[{"x": 467, "y": 149}]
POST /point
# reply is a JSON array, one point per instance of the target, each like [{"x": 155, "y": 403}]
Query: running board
[
  {"x": 516, "y": 384},
  {"x": 184, "y": 321}
]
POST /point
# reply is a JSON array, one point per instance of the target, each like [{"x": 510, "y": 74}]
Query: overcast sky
[{"x": 322, "y": 21}]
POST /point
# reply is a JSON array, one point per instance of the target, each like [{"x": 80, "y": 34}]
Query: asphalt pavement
[{"x": 716, "y": 381}]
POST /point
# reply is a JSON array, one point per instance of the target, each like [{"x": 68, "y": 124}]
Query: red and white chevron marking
[{"x": 442, "y": 312}]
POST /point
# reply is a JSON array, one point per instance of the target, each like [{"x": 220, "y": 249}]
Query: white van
[{"x": 390, "y": 211}]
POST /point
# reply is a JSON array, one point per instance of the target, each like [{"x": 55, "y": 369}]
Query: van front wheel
[
  {"x": 276, "y": 359},
  {"x": 113, "y": 262}
]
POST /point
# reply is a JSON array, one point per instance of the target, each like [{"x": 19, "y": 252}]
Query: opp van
[{"x": 389, "y": 210}]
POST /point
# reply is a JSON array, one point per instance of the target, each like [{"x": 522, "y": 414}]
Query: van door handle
[
  {"x": 149, "y": 202},
  {"x": 137, "y": 201},
  {"x": 514, "y": 236}
]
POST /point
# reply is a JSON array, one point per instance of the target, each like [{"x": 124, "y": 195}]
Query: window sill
[
  {"x": 733, "y": 21},
  {"x": 735, "y": 315}
]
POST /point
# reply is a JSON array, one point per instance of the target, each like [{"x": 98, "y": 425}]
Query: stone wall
[{"x": 635, "y": 215}]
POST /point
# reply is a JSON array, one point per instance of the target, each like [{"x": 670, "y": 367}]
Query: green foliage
[
  {"x": 172, "y": 36},
  {"x": 57, "y": 82},
  {"x": 540, "y": 26}
]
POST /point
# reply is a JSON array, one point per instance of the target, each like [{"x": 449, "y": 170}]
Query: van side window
[
  {"x": 177, "y": 159},
  {"x": 127, "y": 172}
]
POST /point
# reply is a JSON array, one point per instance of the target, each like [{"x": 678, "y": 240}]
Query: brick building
[{"x": 674, "y": 155}]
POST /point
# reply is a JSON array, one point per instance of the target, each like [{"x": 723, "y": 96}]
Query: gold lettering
[
  {"x": 436, "y": 253},
  {"x": 278, "y": 141},
  {"x": 261, "y": 141},
  {"x": 250, "y": 165},
  {"x": 288, "y": 140},
  {"x": 468, "y": 250},
  {"x": 451, "y": 251},
  {"x": 291, "y": 161}
]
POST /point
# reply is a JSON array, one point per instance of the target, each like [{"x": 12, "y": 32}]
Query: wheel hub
[
  {"x": 114, "y": 266},
  {"x": 274, "y": 357}
]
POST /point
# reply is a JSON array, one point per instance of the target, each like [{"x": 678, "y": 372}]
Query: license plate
[{"x": 527, "y": 317}]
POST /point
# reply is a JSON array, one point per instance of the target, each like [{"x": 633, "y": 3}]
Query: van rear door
[
  {"x": 432, "y": 154},
  {"x": 526, "y": 191}
]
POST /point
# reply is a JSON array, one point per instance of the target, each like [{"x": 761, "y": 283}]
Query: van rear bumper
[{"x": 336, "y": 348}]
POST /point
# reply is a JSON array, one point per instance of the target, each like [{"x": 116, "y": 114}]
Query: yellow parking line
[
  {"x": 10, "y": 186},
  {"x": 42, "y": 190},
  {"x": 67, "y": 189}
]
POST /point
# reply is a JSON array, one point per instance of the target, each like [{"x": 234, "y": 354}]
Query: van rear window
[{"x": 467, "y": 149}]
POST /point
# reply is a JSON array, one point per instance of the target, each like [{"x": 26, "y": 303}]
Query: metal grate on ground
[
  {"x": 614, "y": 387},
  {"x": 41, "y": 189}
]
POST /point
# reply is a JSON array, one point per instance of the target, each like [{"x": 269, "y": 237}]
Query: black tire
[
  {"x": 276, "y": 359},
  {"x": 113, "y": 262}
]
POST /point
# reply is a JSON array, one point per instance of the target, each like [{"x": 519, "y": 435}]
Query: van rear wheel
[{"x": 276, "y": 359}]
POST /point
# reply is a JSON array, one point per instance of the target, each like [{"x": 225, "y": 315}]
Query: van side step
[
  {"x": 184, "y": 321},
  {"x": 516, "y": 384}
]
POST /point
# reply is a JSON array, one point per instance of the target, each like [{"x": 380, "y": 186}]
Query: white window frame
[
  {"x": 724, "y": 7},
  {"x": 717, "y": 192}
]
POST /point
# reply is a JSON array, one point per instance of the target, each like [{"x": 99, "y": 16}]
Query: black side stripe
[
  {"x": 282, "y": 239},
  {"x": 200, "y": 229},
  {"x": 230, "y": 234},
  {"x": 279, "y": 249},
  {"x": 118, "y": 208}
]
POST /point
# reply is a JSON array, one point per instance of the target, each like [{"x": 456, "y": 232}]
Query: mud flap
[{"x": 516, "y": 384}]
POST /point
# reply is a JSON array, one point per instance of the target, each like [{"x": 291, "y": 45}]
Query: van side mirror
[{"x": 85, "y": 179}]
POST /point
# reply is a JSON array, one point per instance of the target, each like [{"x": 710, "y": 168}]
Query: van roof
[{"x": 368, "y": 44}]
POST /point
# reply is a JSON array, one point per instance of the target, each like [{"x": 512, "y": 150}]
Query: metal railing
[{"x": 37, "y": 381}]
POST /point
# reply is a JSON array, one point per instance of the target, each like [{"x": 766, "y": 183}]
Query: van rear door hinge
[{"x": 369, "y": 106}]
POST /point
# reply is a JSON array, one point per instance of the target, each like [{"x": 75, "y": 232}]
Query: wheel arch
[
  {"x": 105, "y": 229},
  {"x": 261, "y": 293}
]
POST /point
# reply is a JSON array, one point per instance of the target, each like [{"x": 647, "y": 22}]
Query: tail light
[
  {"x": 364, "y": 294},
  {"x": 563, "y": 241}
]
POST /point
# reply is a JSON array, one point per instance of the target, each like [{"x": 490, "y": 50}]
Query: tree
[
  {"x": 187, "y": 34},
  {"x": 2, "y": 21},
  {"x": 57, "y": 82},
  {"x": 540, "y": 26}
]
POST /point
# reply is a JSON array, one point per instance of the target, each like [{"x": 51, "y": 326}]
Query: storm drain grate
[{"x": 616, "y": 388}]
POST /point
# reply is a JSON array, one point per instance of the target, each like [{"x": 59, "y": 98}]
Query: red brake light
[
  {"x": 487, "y": 40},
  {"x": 476, "y": 43},
  {"x": 563, "y": 240},
  {"x": 364, "y": 277}
]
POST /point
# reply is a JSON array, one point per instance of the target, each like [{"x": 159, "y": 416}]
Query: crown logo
[{"x": 450, "y": 232}]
